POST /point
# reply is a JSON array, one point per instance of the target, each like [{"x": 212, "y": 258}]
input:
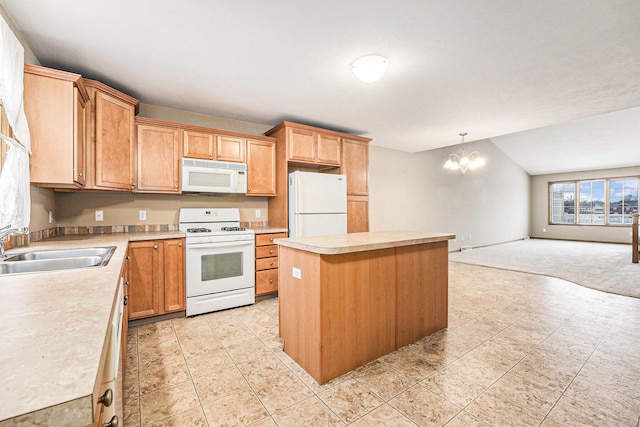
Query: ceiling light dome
[{"x": 370, "y": 68}]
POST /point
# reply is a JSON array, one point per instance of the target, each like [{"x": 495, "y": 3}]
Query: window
[
  {"x": 594, "y": 202},
  {"x": 623, "y": 200},
  {"x": 563, "y": 203},
  {"x": 591, "y": 202}
]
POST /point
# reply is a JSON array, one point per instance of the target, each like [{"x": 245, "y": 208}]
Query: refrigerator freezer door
[
  {"x": 307, "y": 225},
  {"x": 317, "y": 192}
]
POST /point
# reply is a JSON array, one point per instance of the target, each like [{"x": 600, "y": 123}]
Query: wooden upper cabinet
[
  {"x": 261, "y": 168},
  {"x": 355, "y": 164},
  {"x": 199, "y": 145},
  {"x": 301, "y": 145},
  {"x": 54, "y": 103},
  {"x": 230, "y": 148},
  {"x": 158, "y": 158},
  {"x": 329, "y": 149},
  {"x": 211, "y": 146},
  {"x": 111, "y": 138}
]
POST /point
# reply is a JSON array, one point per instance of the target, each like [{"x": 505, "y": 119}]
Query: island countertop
[{"x": 360, "y": 242}]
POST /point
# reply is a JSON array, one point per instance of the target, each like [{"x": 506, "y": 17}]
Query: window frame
[{"x": 577, "y": 197}]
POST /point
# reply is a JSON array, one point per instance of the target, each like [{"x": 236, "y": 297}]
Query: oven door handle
[{"x": 210, "y": 245}]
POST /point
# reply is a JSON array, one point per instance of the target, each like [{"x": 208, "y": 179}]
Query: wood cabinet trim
[
  {"x": 113, "y": 92},
  {"x": 286, "y": 124},
  {"x": 76, "y": 79}
]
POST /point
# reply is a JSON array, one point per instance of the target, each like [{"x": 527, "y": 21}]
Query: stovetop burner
[
  {"x": 198, "y": 230},
  {"x": 232, "y": 228}
]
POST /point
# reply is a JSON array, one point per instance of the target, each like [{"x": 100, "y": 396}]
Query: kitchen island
[{"x": 346, "y": 300}]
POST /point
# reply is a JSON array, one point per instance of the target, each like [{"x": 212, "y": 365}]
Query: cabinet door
[
  {"x": 115, "y": 148},
  {"x": 144, "y": 279},
  {"x": 158, "y": 157},
  {"x": 357, "y": 214},
  {"x": 261, "y": 168},
  {"x": 301, "y": 145},
  {"x": 230, "y": 149},
  {"x": 80, "y": 149},
  {"x": 173, "y": 265},
  {"x": 329, "y": 149},
  {"x": 198, "y": 145},
  {"x": 355, "y": 164}
]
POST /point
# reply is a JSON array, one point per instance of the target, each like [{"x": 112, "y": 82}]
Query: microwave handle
[{"x": 219, "y": 245}]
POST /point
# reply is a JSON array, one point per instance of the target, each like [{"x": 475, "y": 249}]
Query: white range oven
[{"x": 220, "y": 260}]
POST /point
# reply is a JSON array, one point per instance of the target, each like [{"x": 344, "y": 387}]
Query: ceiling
[{"x": 537, "y": 77}]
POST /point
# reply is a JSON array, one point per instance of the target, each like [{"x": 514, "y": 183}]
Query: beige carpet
[{"x": 603, "y": 266}]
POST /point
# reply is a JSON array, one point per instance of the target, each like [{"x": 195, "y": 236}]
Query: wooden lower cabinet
[
  {"x": 156, "y": 277},
  {"x": 357, "y": 214},
  {"x": 267, "y": 263}
]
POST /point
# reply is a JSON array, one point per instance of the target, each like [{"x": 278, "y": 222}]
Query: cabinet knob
[
  {"x": 210, "y": 154},
  {"x": 133, "y": 183},
  {"x": 176, "y": 185},
  {"x": 248, "y": 190},
  {"x": 155, "y": 246},
  {"x": 219, "y": 156},
  {"x": 80, "y": 175},
  {"x": 270, "y": 251},
  {"x": 126, "y": 283},
  {"x": 126, "y": 300},
  {"x": 179, "y": 245},
  {"x": 271, "y": 281},
  {"x": 271, "y": 263},
  {"x": 113, "y": 422},
  {"x": 107, "y": 398},
  {"x": 271, "y": 239}
]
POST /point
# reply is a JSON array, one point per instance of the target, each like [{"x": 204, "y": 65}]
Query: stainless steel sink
[
  {"x": 64, "y": 253},
  {"x": 41, "y": 261}
]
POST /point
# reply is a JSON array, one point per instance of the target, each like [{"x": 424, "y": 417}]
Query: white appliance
[
  {"x": 317, "y": 204},
  {"x": 210, "y": 176},
  {"x": 220, "y": 259}
]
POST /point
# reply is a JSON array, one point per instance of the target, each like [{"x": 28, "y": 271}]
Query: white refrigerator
[{"x": 317, "y": 204}]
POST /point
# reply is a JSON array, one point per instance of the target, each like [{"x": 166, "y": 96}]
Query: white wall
[
  {"x": 595, "y": 233},
  {"x": 412, "y": 191}
]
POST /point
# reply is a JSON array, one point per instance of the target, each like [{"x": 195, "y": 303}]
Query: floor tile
[
  {"x": 263, "y": 369},
  {"x": 192, "y": 418},
  {"x": 350, "y": 400},
  {"x": 310, "y": 412},
  {"x": 463, "y": 419},
  {"x": 424, "y": 407},
  {"x": 497, "y": 410},
  {"x": 212, "y": 361},
  {"x": 526, "y": 393},
  {"x": 167, "y": 402},
  {"x": 237, "y": 409},
  {"x": 282, "y": 391},
  {"x": 453, "y": 387},
  {"x": 220, "y": 383},
  {"x": 571, "y": 412},
  {"x": 383, "y": 380},
  {"x": 164, "y": 375},
  {"x": 384, "y": 415}
]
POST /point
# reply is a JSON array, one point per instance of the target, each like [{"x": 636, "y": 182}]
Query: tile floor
[{"x": 520, "y": 349}]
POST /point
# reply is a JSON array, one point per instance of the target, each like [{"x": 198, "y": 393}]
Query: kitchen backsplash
[{"x": 22, "y": 239}]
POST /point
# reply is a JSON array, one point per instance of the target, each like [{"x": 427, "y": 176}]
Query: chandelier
[{"x": 464, "y": 161}]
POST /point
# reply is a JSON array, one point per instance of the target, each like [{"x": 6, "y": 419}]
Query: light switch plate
[
  {"x": 99, "y": 216},
  {"x": 295, "y": 272},
  {"x": 142, "y": 215}
]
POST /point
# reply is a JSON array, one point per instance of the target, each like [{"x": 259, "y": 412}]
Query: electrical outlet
[
  {"x": 258, "y": 213},
  {"x": 99, "y": 216},
  {"x": 469, "y": 236},
  {"x": 142, "y": 215},
  {"x": 544, "y": 230},
  {"x": 295, "y": 272},
  {"x": 50, "y": 217},
  {"x": 462, "y": 237}
]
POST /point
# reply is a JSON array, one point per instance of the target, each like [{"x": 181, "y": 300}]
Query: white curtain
[{"x": 15, "y": 199}]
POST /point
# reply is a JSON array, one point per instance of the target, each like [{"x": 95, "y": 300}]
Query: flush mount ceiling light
[
  {"x": 463, "y": 161},
  {"x": 370, "y": 68}
]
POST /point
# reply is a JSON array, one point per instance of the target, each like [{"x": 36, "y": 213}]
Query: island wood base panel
[{"x": 349, "y": 309}]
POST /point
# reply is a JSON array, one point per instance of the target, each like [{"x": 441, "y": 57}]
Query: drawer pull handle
[
  {"x": 219, "y": 156},
  {"x": 80, "y": 174},
  {"x": 126, "y": 299},
  {"x": 271, "y": 281},
  {"x": 271, "y": 263},
  {"x": 210, "y": 154},
  {"x": 113, "y": 422},
  {"x": 107, "y": 398},
  {"x": 271, "y": 251},
  {"x": 271, "y": 239}
]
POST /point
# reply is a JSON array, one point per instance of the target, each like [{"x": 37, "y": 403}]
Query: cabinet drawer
[
  {"x": 266, "y": 263},
  {"x": 267, "y": 251},
  {"x": 266, "y": 281},
  {"x": 267, "y": 239}
]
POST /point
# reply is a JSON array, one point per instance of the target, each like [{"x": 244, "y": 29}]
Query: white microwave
[{"x": 210, "y": 176}]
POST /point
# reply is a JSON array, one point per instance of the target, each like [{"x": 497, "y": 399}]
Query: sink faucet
[{"x": 5, "y": 231}]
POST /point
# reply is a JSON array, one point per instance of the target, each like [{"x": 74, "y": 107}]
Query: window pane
[
  {"x": 563, "y": 203},
  {"x": 591, "y": 202},
  {"x": 623, "y": 200}
]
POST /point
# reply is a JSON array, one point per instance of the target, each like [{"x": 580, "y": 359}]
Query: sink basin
[
  {"x": 63, "y": 259},
  {"x": 64, "y": 253}
]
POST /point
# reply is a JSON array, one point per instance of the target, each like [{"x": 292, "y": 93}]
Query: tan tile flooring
[{"x": 520, "y": 349}]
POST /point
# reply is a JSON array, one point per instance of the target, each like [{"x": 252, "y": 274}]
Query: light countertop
[
  {"x": 54, "y": 326},
  {"x": 268, "y": 230},
  {"x": 360, "y": 242}
]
